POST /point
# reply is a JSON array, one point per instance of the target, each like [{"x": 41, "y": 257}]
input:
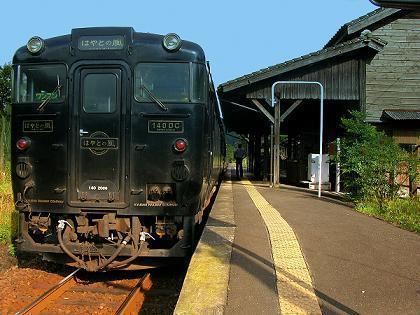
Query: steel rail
[
  {"x": 53, "y": 293},
  {"x": 131, "y": 305},
  {"x": 135, "y": 299}
]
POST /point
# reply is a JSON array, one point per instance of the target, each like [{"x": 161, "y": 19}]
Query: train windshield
[
  {"x": 36, "y": 84},
  {"x": 170, "y": 82}
]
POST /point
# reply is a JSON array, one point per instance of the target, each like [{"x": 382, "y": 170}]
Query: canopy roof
[{"x": 400, "y": 115}]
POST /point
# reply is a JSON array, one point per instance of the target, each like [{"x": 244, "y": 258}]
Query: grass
[
  {"x": 404, "y": 213},
  {"x": 8, "y": 215}
]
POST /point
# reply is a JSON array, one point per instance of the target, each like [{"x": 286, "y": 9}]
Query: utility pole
[{"x": 276, "y": 168}]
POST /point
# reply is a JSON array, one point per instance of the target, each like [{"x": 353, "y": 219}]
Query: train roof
[{"x": 136, "y": 47}]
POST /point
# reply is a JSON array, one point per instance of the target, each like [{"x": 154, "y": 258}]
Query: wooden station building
[{"x": 371, "y": 64}]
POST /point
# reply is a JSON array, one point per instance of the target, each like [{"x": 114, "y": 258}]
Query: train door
[{"x": 98, "y": 163}]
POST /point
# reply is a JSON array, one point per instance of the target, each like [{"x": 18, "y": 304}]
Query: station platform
[{"x": 285, "y": 251}]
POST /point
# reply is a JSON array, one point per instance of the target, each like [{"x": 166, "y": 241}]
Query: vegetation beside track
[{"x": 8, "y": 217}]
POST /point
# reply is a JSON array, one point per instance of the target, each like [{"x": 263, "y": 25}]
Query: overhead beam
[
  {"x": 240, "y": 105},
  {"x": 290, "y": 110},
  {"x": 263, "y": 110}
]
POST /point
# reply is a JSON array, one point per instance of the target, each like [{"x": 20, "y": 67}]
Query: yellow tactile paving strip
[{"x": 294, "y": 284}]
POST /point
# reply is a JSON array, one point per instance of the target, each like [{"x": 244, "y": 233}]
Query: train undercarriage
[{"x": 103, "y": 241}]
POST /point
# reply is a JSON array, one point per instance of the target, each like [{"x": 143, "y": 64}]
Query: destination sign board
[
  {"x": 38, "y": 126},
  {"x": 101, "y": 42}
]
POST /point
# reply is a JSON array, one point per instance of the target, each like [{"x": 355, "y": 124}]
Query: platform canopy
[{"x": 246, "y": 101}]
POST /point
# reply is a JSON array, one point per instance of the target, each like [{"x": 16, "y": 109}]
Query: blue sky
[{"x": 238, "y": 37}]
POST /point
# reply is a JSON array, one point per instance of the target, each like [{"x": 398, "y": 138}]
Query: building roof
[
  {"x": 367, "y": 21},
  {"x": 400, "y": 115},
  {"x": 346, "y": 38},
  {"x": 306, "y": 60}
]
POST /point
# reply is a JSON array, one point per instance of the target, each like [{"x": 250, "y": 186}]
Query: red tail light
[
  {"x": 23, "y": 143},
  {"x": 180, "y": 145}
]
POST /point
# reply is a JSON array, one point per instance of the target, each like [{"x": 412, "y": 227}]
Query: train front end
[{"x": 112, "y": 138}]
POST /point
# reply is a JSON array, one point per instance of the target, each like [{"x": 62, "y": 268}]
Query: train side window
[
  {"x": 38, "y": 83},
  {"x": 13, "y": 85},
  {"x": 100, "y": 93},
  {"x": 198, "y": 82}
]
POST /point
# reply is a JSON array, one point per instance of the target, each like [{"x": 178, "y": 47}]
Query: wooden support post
[
  {"x": 257, "y": 155},
  {"x": 266, "y": 158},
  {"x": 250, "y": 167}
]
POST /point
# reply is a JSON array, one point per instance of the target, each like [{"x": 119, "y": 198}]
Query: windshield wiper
[
  {"x": 154, "y": 98},
  {"x": 57, "y": 90}
]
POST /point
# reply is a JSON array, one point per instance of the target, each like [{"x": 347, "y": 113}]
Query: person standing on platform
[{"x": 239, "y": 156}]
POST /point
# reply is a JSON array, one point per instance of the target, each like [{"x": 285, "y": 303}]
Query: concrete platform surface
[
  {"x": 359, "y": 264},
  {"x": 280, "y": 251}
]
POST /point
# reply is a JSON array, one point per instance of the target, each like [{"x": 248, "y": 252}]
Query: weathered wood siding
[
  {"x": 411, "y": 136},
  {"x": 393, "y": 76},
  {"x": 340, "y": 78}
]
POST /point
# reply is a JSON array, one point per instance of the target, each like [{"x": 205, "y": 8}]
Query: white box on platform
[{"x": 313, "y": 164}]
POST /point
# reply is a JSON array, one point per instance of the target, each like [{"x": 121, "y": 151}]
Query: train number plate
[
  {"x": 38, "y": 126},
  {"x": 166, "y": 126}
]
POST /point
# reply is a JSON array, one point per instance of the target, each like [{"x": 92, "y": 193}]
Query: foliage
[
  {"x": 12, "y": 250},
  {"x": 402, "y": 212},
  {"x": 230, "y": 150},
  {"x": 5, "y": 109},
  {"x": 412, "y": 166},
  {"x": 5, "y": 88},
  {"x": 370, "y": 162},
  {"x": 8, "y": 217}
]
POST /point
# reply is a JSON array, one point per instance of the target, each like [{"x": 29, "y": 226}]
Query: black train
[{"x": 118, "y": 146}]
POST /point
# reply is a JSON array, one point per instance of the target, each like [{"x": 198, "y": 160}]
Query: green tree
[
  {"x": 5, "y": 108},
  {"x": 370, "y": 161},
  {"x": 230, "y": 149},
  {"x": 412, "y": 166}
]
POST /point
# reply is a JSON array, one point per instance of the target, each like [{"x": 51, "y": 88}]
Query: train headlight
[
  {"x": 172, "y": 42},
  {"x": 35, "y": 44}
]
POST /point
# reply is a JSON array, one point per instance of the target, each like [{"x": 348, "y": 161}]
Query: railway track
[{"x": 101, "y": 294}]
